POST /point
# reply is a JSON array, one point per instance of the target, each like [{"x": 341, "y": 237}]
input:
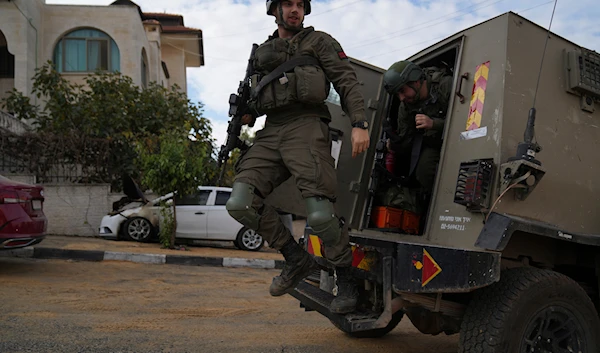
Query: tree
[
  {"x": 172, "y": 162},
  {"x": 248, "y": 137},
  {"x": 111, "y": 109}
]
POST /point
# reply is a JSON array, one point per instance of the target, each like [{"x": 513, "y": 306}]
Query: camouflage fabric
[
  {"x": 295, "y": 141},
  {"x": 333, "y": 62}
]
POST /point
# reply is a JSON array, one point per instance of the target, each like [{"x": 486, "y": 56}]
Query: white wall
[
  {"x": 175, "y": 60},
  {"x": 22, "y": 32},
  {"x": 77, "y": 209}
]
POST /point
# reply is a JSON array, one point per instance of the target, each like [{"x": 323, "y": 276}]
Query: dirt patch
[{"x": 127, "y": 307}]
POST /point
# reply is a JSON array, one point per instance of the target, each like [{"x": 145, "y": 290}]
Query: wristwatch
[{"x": 363, "y": 124}]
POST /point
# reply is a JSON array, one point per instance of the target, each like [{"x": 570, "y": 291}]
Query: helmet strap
[{"x": 418, "y": 92}]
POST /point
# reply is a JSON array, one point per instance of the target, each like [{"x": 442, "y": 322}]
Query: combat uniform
[
  {"x": 423, "y": 147},
  {"x": 295, "y": 140}
]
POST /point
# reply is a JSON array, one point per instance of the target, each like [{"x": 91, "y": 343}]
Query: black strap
[
  {"x": 416, "y": 151},
  {"x": 391, "y": 133},
  {"x": 285, "y": 67}
]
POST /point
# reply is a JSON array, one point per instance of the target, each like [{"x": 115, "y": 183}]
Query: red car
[{"x": 22, "y": 219}]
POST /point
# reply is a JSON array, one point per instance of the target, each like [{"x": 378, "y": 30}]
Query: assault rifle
[{"x": 238, "y": 107}]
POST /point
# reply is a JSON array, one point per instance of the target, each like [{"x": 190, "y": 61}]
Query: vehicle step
[{"x": 313, "y": 298}]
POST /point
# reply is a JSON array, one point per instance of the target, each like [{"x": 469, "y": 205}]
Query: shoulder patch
[{"x": 338, "y": 49}]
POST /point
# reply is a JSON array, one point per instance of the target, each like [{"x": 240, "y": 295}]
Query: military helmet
[
  {"x": 273, "y": 2},
  {"x": 399, "y": 74}
]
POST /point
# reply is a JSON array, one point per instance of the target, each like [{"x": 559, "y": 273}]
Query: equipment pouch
[
  {"x": 271, "y": 54},
  {"x": 311, "y": 84},
  {"x": 278, "y": 93}
]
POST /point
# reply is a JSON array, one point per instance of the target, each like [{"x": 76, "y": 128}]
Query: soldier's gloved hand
[
  {"x": 360, "y": 141},
  {"x": 247, "y": 119},
  {"x": 424, "y": 122}
]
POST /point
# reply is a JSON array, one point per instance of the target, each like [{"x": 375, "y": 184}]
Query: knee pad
[
  {"x": 240, "y": 207},
  {"x": 322, "y": 219}
]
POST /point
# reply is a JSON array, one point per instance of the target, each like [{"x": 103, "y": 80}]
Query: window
[
  {"x": 144, "y": 68},
  {"x": 7, "y": 63},
  {"x": 198, "y": 199},
  {"x": 86, "y": 50},
  {"x": 222, "y": 197}
]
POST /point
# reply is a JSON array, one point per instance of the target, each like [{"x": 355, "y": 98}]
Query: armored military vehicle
[{"x": 507, "y": 249}]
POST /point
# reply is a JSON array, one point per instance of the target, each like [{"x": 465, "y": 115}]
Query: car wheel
[
  {"x": 248, "y": 239},
  {"x": 138, "y": 229}
]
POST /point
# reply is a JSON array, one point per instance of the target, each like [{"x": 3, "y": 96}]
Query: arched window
[
  {"x": 144, "y": 68},
  {"x": 86, "y": 50},
  {"x": 7, "y": 60}
]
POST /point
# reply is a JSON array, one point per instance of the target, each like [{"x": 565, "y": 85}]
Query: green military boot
[
  {"x": 298, "y": 265},
  {"x": 347, "y": 293}
]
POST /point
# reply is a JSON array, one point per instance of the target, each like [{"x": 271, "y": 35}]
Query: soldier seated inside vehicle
[{"x": 413, "y": 145}]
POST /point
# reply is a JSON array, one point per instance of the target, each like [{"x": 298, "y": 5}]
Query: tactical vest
[{"x": 301, "y": 82}]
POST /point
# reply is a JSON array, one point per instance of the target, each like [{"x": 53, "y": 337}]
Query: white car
[{"x": 201, "y": 216}]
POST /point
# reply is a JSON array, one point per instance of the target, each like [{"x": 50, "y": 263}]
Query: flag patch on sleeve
[{"x": 340, "y": 52}]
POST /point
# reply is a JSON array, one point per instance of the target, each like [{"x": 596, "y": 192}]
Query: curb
[{"x": 96, "y": 255}]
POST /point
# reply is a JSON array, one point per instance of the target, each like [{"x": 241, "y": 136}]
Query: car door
[
  {"x": 192, "y": 215},
  {"x": 221, "y": 226}
]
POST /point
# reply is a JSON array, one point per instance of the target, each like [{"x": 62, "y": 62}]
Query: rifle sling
[
  {"x": 415, "y": 152},
  {"x": 285, "y": 67}
]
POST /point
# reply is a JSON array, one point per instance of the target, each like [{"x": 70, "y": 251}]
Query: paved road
[{"x": 64, "y": 306}]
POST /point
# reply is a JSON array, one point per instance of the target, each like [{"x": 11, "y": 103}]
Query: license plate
[{"x": 36, "y": 204}]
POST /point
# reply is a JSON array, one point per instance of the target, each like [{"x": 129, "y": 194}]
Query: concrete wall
[
  {"x": 154, "y": 59},
  {"x": 20, "y": 22},
  {"x": 6, "y": 84},
  {"x": 175, "y": 60},
  {"x": 77, "y": 209},
  {"x": 32, "y": 30}
]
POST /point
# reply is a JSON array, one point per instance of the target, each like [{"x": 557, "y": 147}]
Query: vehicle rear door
[
  {"x": 192, "y": 214},
  {"x": 221, "y": 226}
]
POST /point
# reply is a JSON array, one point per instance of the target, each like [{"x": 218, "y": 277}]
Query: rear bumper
[
  {"x": 20, "y": 242},
  {"x": 425, "y": 268},
  {"x": 418, "y": 267}
]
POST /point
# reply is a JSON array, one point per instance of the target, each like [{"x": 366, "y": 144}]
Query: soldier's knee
[
  {"x": 322, "y": 219},
  {"x": 240, "y": 207}
]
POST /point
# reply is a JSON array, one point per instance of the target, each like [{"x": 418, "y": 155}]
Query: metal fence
[{"x": 68, "y": 158}]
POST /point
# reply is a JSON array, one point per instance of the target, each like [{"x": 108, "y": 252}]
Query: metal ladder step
[{"x": 313, "y": 298}]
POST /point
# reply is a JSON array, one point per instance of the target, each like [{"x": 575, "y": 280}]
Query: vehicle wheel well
[{"x": 577, "y": 261}]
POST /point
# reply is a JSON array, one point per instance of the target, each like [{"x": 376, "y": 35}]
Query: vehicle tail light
[
  {"x": 473, "y": 184},
  {"x": 9, "y": 196}
]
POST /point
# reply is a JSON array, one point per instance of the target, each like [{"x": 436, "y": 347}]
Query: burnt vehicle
[{"x": 506, "y": 249}]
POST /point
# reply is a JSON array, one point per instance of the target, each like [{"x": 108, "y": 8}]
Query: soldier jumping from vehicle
[{"x": 294, "y": 69}]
